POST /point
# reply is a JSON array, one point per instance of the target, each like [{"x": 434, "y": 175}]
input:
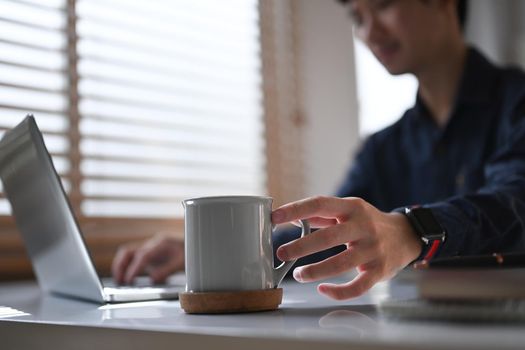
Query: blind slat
[
  {"x": 93, "y": 168},
  {"x": 32, "y": 37},
  {"x": 177, "y": 121},
  {"x": 121, "y": 111},
  {"x": 208, "y": 165},
  {"x": 48, "y": 122},
  {"x": 214, "y": 187},
  {"x": 160, "y": 62},
  {"x": 108, "y": 187},
  {"x": 167, "y": 136},
  {"x": 183, "y": 97},
  {"x": 57, "y": 5},
  {"x": 43, "y": 17},
  {"x": 32, "y": 99}
]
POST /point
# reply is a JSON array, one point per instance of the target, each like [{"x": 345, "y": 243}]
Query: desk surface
[{"x": 304, "y": 320}]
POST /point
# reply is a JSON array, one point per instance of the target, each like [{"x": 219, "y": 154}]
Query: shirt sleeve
[{"x": 493, "y": 218}]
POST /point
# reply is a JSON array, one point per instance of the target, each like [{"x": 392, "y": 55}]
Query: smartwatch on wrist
[{"x": 427, "y": 228}]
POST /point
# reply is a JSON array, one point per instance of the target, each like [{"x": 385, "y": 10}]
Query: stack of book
[{"x": 473, "y": 288}]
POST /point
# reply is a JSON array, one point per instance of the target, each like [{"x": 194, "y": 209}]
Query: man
[{"x": 459, "y": 154}]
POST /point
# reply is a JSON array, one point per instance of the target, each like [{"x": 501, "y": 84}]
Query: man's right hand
[{"x": 158, "y": 257}]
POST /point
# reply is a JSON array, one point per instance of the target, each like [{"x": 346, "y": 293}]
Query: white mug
[{"x": 228, "y": 244}]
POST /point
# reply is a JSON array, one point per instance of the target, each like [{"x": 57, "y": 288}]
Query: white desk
[{"x": 305, "y": 320}]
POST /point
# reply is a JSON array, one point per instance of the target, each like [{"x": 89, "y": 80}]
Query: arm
[{"x": 493, "y": 218}]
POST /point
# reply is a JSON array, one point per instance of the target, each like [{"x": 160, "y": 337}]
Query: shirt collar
[
  {"x": 475, "y": 87},
  {"x": 478, "y": 79}
]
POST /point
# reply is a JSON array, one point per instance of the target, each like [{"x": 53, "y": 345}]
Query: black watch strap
[
  {"x": 427, "y": 228},
  {"x": 425, "y": 224}
]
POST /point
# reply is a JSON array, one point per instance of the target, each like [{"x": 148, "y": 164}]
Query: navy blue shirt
[{"x": 471, "y": 172}]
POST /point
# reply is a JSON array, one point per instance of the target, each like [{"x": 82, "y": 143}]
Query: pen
[{"x": 473, "y": 261}]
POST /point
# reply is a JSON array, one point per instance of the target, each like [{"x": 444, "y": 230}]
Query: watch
[{"x": 427, "y": 228}]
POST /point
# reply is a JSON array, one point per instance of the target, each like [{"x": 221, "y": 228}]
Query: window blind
[
  {"x": 170, "y": 103},
  {"x": 33, "y": 67},
  {"x": 169, "y": 98}
]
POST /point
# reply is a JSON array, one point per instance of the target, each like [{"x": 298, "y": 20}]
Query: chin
[
  {"x": 394, "y": 65},
  {"x": 396, "y": 70}
]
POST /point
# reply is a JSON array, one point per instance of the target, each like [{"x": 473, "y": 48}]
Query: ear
[
  {"x": 445, "y": 8},
  {"x": 441, "y": 5},
  {"x": 449, "y": 6}
]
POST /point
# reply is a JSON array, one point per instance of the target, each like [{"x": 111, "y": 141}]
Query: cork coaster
[{"x": 231, "y": 302}]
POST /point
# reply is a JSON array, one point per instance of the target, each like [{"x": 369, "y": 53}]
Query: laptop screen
[{"x": 43, "y": 215}]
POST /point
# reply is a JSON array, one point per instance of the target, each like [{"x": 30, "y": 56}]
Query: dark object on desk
[
  {"x": 506, "y": 260},
  {"x": 231, "y": 302},
  {"x": 465, "y": 294},
  {"x": 470, "y": 283},
  {"x": 458, "y": 311}
]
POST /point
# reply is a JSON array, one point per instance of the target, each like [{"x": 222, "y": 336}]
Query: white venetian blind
[
  {"x": 170, "y": 103},
  {"x": 33, "y": 73}
]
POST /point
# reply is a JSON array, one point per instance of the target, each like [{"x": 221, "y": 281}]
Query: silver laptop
[{"x": 49, "y": 229}]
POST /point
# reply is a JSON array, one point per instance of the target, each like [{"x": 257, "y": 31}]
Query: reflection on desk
[{"x": 304, "y": 320}]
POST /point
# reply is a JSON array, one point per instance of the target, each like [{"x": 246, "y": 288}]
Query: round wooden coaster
[{"x": 231, "y": 302}]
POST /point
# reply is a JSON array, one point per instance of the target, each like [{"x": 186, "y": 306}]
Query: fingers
[
  {"x": 121, "y": 262},
  {"x": 137, "y": 265},
  {"x": 142, "y": 258},
  {"x": 326, "y": 207},
  {"x": 356, "y": 287},
  {"x": 332, "y": 266},
  {"x": 320, "y": 240}
]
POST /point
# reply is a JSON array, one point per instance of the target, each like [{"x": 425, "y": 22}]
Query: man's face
[{"x": 404, "y": 35}]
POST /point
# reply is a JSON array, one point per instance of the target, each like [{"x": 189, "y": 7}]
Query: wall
[
  {"x": 328, "y": 93},
  {"x": 497, "y": 29}
]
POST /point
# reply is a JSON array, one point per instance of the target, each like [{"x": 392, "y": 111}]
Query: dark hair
[{"x": 461, "y": 7}]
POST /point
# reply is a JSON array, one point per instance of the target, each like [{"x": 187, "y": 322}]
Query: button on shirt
[{"x": 471, "y": 172}]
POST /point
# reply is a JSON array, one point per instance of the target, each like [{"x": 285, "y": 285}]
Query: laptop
[{"x": 51, "y": 234}]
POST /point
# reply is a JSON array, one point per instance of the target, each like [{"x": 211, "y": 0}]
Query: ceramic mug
[{"x": 228, "y": 244}]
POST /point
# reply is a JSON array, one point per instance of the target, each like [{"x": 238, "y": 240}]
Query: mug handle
[{"x": 280, "y": 271}]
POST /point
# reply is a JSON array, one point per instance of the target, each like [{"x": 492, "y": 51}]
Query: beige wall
[
  {"x": 328, "y": 93},
  {"x": 497, "y": 28}
]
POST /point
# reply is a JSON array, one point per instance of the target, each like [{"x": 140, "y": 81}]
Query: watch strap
[{"x": 431, "y": 242}]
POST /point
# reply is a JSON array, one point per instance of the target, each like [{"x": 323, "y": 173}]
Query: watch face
[{"x": 427, "y": 221}]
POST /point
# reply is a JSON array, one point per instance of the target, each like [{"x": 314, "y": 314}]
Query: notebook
[
  {"x": 511, "y": 310},
  {"x": 50, "y": 232},
  {"x": 461, "y": 294}
]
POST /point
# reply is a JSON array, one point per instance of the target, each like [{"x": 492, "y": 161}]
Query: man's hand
[
  {"x": 378, "y": 244},
  {"x": 159, "y": 257}
]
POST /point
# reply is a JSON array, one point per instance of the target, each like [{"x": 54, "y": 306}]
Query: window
[
  {"x": 374, "y": 83},
  {"x": 142, "y": 103},
  {"x": 170, "y": 104}
]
